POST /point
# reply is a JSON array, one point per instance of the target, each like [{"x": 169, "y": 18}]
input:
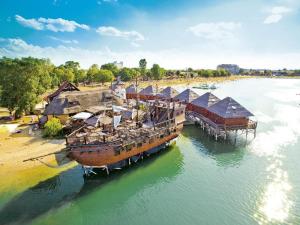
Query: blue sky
[{"x": 174, "y": 33}]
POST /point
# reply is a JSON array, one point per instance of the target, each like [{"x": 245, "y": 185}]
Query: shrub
[{"x": 53, "y": 128}]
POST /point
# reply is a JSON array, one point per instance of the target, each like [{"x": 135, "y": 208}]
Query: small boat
[{"x": 206, "y": 86}]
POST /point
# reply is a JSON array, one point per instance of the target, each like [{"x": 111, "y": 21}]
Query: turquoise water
[{"x": 198, "y": 181}]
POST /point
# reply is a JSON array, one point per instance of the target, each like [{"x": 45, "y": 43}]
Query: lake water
[{"x": 198, "y": 181}]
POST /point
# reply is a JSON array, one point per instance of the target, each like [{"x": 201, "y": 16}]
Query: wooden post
[
  {"x": 235, "y": 137},
  {"x": 107, "y": 170}
]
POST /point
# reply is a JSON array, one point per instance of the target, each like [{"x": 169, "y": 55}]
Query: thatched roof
[
  {"x": 187, "y": 96},
  {"x": 147, "y": 91},
  {"x": 98, "y": 108},
  {"x": 168, "y": 92},
  {"x": 206, "y": 100},
  {"x": 229, "y": 108},
  {"x": 64, "y": 87},
  {"x": 75, "y": 102},
  {"x": 131, "y": 89}
]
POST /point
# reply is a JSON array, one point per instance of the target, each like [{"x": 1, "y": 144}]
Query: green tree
[
  {"x": 80, "y": 76},
  {"x": 92, "y": 72},
  {"x": 74, "y": 67},
  {"x": 104, "y": 76},
  {"x": 62, "y": 73},
  {"x": 157, "y": 72},
  {"x": 143, "y": 66},
  {"x": 127, "y": 74},
  {"x": 53, "y": 128},
  {"x": 112, "y": 67},
  {"x": 22, "y": 82}
]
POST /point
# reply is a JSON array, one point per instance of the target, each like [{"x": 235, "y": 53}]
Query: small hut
[
  {"x": 69, "y": 104},
  {"x": 131, "y": 92},
  {"x": 200, "y": 104},
  {"x": 186, "y": 96},
  {"x": 64, "y": 87},
  {"x": 229, "y": 112},
  {"x": 167, "y": 93},
  {"x": 147, "y": 93}
]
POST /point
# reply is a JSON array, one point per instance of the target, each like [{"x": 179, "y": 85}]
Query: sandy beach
[{"x": 15, "y": 148}]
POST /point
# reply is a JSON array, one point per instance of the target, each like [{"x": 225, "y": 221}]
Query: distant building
[
  {"x": 232, "y": 68},
  {"x": 119, "y": 65}
]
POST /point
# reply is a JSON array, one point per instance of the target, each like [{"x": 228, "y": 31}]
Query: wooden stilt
[
  {"x": 235, "y": 136},
  {"x": 107, "y": 170}
]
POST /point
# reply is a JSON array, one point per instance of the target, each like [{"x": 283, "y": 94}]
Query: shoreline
[{"x": 19, "y": 175}]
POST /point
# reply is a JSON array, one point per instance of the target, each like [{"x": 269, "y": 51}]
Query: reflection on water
[
  {"x": 70, "y": 186},
  {"x": 223, "y": 152},
  {"x": 275, "y": 204},
  {"x": 282, "y": 131}
]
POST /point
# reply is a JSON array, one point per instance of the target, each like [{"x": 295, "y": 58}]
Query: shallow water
[{"x": 199, "y": 181}]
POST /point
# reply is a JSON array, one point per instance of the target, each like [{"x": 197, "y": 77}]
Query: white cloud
[
  {"x": 114, "y": 32},
  {"x": 280, "y": 10},
  {"x": 276, "y": 14},
  {"x": 168, "y": 58},
  {"x": 64, "y": 41},
  {"x": 32, "y": 23},
  {"x": 56, "y": 25},
  {"x": 273, "y": 18},
  {"x": 215, "y": 31}
]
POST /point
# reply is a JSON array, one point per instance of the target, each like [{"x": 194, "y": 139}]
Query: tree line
[{"x": 24, "y": 80}]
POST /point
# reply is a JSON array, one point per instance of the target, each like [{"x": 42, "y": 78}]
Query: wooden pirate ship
[{"x": 119, "y": 145}]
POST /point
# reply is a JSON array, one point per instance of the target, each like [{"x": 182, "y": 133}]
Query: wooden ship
[{"x": 119, "y": 145}]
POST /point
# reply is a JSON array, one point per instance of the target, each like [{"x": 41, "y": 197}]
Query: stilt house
[
  {"x": 147, "y": 93},
  {"x": 186, "y": 96},
  {"x": 131, "y": 92},
  {"x": 167, "y": 93},
  {"x": 202, "y": 103},
  {"x": 228, "y": 112}
]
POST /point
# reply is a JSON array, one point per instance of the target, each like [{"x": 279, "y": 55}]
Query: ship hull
[{"x": 106, "y": 156}]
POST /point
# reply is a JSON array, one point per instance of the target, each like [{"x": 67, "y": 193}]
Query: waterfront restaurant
[
  {"x": 229, "y": 113},
  {"x": 186, "y": 96},
  {"x": 147, "y": 93},
  {"x": 200, "y": 104},
  {"x": 167, "y": 93},
  {"x": 131, "y": 92}
]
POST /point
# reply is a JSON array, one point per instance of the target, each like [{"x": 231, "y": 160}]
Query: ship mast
[
  {"x": 137, "y": 100},
  {"x": 112, "y": 108}
]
